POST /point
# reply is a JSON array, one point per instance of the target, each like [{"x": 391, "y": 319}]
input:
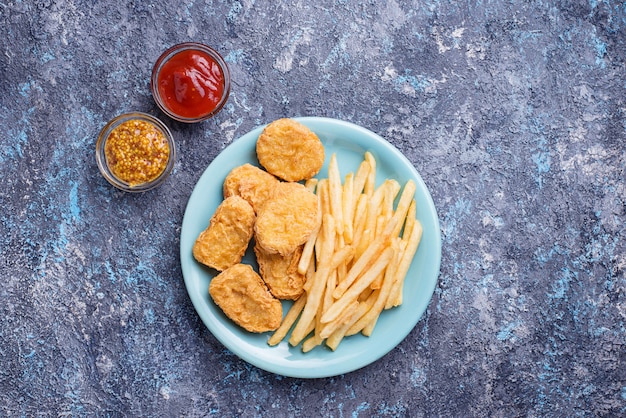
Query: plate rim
[{"x": 313, "y": 372}]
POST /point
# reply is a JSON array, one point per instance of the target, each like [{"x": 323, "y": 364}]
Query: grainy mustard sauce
[{"x": 136, "y": 152}]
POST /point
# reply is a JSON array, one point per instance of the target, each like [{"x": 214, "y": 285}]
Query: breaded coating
[
  {"x": 280, "y": 273},
  {"x": 289, "y": 150},
  {"x": 224, "y": 242},
  {"x": 287, "y": 219},
  {"x": 240, "y": 292},
  {"x": 251, "y": 183}
]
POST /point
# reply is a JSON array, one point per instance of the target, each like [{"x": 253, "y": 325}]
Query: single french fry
[
  {"x": 318, "y": 284},
  {"x": 341, "y": 256},
  {"x": 378, "y": 281},
  {"x": 303, "y": 327},
  {"x": 370, "y": 182},
  {"x": 316, "y": 339},
  {"x": 323, "y": 246},
  {"x": 322, "y": 192},
  {"x": 340, "y": 244},
  {"x": 409, "y": 224},
  {"x": 342, "y": 270},
  {"x": 340, "y": 241},
  {"x": 373, "y": 209},
  {"x": 410, "y": 221},
  {"x": 360, "y": 178},
  {"x": 402, "y": 244},
  {"x": 395, "y": 298},
  {"x": 307, "y": 255},
  {"x": 360, "y": 218},
  {"x": 403, "y": 204},
  {"x": 310, "y": 328},
  {"x": 364, "y": 308},
  {"x": 364, "y": 260},
  {"x": 368, "y": 321},
  {"x": 378, "y": 197},
  {"x": 332, "y": 326},
  {"x": 381, "y": 223},
  {"x": 331, "y": 283},
  {"x": 353, "y": 292},
  {"x": 336, "y": 337},
  {"x": 392, "y": 188},
  {"x": 309, "y": 277},
  {"x": 311, "y": 342},
  {"x": 348, "y": 208},
  {"x": 288, "y": 320},
  {"x": 335, "y": 193}
]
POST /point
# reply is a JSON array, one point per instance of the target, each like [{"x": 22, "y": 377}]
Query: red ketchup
[{"x": 191, "y": 84}]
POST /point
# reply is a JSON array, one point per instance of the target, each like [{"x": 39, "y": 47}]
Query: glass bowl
[
  {"x": 190, "y": 82},
  {"x": 135, "y": 152}
]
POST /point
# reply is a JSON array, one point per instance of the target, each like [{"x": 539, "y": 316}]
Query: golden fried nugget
[
  {"x": 280, "y": 273},
  {"x": 289, "y": 150},
  {"x": 224, "y": 242},
  {"x": 251, "y": 183},
  {"x": 287, "y": 219},
  {"x": 241, "y": 293}
]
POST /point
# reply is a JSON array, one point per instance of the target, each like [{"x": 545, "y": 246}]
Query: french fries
[{"x": 357, "y": 261}]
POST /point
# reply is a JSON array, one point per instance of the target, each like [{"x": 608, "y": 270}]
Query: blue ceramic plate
[{"x": 349, "y": 142}]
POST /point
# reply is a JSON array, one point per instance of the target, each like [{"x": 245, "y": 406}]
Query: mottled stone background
[{"x": 513, "y": 112}]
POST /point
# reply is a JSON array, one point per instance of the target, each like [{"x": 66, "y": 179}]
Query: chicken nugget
[
  {"x": 251, "y": 183},
  {"x": 280, "y": 273},
  {"x": 224, "y": 242},
  {"x": 287, "y": 219},
  {"x": 243, "y": 297},
  {"x": 289, "y": 150}
]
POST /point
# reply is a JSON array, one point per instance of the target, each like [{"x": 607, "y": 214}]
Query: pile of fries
[{"x": 356, "y": 262}]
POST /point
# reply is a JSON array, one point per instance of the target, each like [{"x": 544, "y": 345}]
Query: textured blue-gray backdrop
[{"x": 513, "y": 112}]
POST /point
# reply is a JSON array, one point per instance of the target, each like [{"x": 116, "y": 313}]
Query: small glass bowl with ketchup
[{"x": 190, "y": 82}]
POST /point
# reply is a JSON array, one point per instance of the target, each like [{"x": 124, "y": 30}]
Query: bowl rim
[
  {"x": 171, "y": 52},
  {"x": 101, "y": 157}
]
